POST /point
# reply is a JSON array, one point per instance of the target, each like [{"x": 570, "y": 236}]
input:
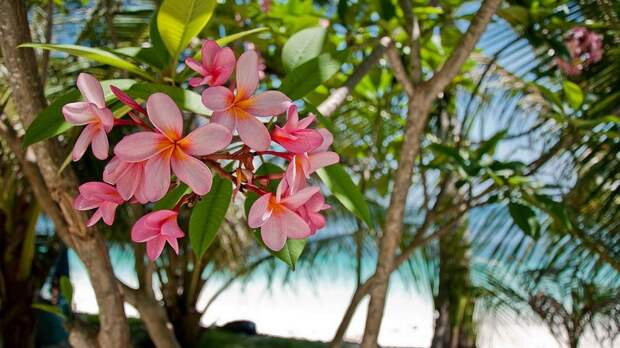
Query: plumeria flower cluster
[
  {"x": 584, "y": 47},
  {"x": 158, "y": 155}
]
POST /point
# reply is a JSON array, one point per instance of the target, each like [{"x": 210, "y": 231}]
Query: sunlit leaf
[
  {"x": 94, "y": 54},
  {"x": 179, "y": 21}
]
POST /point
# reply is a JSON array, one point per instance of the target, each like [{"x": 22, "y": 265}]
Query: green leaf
[
  {"x": 306, "y": 77},
  {"x": 94, "y": 54},
  {"x": 303, "y": 46},
  {"x": 66, "y": 289},
  {"x": 573, "y": 94},
  {"x": 524, "y": 217},
  {"x": 488, "y": 146},
  {"x": 346, "y": 191},
  {"x": 170, "y": 200},
  {"x": 179, "y": 21},
  {"x": 236, "y": 36},
  {"x": 290, "y": 253},
  {"x": 51, "y": 122},
  {"x": 208, "y": 214},
  {"x": 50, "y": 309},
  {"x": 159, "y": 50},
  {"x": 185, "y": 98}
]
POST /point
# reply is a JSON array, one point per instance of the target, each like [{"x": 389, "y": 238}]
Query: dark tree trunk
[{"x": 454, "y": 302}]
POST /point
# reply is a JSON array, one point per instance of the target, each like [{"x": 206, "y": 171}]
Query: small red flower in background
[{"x": 584, "y": 47}]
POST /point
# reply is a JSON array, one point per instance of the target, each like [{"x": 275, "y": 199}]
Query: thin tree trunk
[
  {"x": 454, "y": 302},
  {"x": 420, "y": 97},
  {"x": 89, "y": 244},
  {"x": 154, "y": 317}
]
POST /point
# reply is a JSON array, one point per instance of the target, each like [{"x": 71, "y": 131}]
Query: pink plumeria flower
[
  {"x": 216, "y": 66},
  {"x": 239, "y": 111},
  {"x": 303, "y": 164},
  {"x": 92, "y": 113},
  {"x": 311, "y": 212},
  {"x": 156, "y": 229},
  {"x": 128, "y": 178},
  {"x": 294, "y": 136},
  {"x": 100, "y": 196},
  {"x": 276, "y": 216},
  {"x": 166, "y": 148}
]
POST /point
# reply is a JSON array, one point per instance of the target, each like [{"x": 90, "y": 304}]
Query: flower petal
[
  {"x": 322, "y": 159},
  {"x": 157, "y": 176},
  {"x": 165, "y": 115},
  {"x": 192, "y": 171},
  {"x": 108, "y": 211},
  {"x": 81, "y": 203},
  {"x": 206, "y": 139},
  {"x": 300, "y": 198},
  {"x": 140, "y": 146},
  {"x": 100, "y": 144},
  {"x": 154, "y": 247},
  {"x": 253, "y": 133},
  {"x": 141, "y": 232},
  {"x": 266, "y": 104},
  {"x": 273, "y": 234},
  {"x": 194, "y": 65},
  {"x": 328, "y": 139},
  {"x": 95, "y": 218},
  {"x": 247, "y": 74},
  {"x": 208, "y": 51},
  {"x": 170, "y": 228},
  {"x": 303, "y": 140},
  {"x": 91, "y": 89},
  {"x": 218, "y": 98},
  {"x": 226, "y": 118},
  {"x": 293, "y": 225},
  {"x": 85, "y": 138},
  {"x": 174, "y": 244},
  {"x": 258, "y": 212},
  {"x": 79, "y": 113},
  {"x": 224, "y": 64},
  {"x": 128, "y": 184}
]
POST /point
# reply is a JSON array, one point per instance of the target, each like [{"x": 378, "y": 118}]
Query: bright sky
[{"x": 308, "y": 311}]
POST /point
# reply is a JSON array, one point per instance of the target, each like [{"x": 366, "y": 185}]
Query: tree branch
[
  {"x": 400, "y": 73},
  {"x": 338, "y": 96},
  {"x": 466, "y": 45}
]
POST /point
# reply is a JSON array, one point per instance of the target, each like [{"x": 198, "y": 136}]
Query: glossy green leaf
[
  {"x": 170, "y": 200},
  {"x": 303, "y": 46},
  {"x": 66, "y": 289},
  {"x": 179, "y": 21},
  {"x": 524, "y": 217},
  {"x": 290, "y": 253},
  {"x": 306, "y": 77},
  {"x": 346, "y": 191},
  {"x": 573, "y": 94},
  {"x": 208, "y": 214},
  {"x": 94, "y": 54},
  {"x": 51, "y": 122}
]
